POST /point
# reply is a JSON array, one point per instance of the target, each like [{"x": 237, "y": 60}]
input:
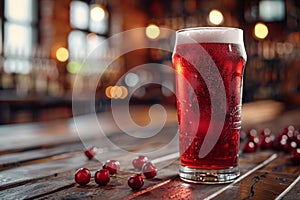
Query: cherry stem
[
  {"x": 116, "y": 176},
  {"x": 121, "y": 177},
  {"x": 133, "y": 172}
]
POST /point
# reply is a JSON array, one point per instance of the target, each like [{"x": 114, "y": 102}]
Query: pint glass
[{"x": 209, "y": 64}]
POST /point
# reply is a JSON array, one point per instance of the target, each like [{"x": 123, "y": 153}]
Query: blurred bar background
[{"x": 44, "y": 44}]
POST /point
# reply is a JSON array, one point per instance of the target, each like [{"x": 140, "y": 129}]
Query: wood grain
[{"x": 38, "y": 161}]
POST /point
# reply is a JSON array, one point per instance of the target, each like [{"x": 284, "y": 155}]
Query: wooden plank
[
  {"x": 178, "y": 189},
  {"x": 18, "y": 176},
  {"x": 118, "y": 187},
  {"x": 164, "y": 186},
  {"x": 259, "y": 185},
  {"x": 283, "y": 165},
  {"x": 292, "y": 192},
  {"x": 66, "y": 162},
  {"x": 26, "y": 137},
  {"x": 119, "y": 139},
  {"x": 265, "y": 183},
  {"x": 16, "y": 138},
  {"x": 21, "y": 158},
  {"x": 51, "y": 175},
  {"x": 53, "y": 185}
]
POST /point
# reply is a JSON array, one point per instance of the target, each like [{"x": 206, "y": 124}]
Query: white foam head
[{"x": 210, "y": 35}]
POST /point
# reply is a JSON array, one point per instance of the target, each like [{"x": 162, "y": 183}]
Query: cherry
[
  {"x": 280, "y": 142},
  {"x": 136, "y": 181},
  {"x": 102, "y": 177},
  {"x": 249, "y": 147},
  {"x": 113, "y": 166},
  {"x": 252, "y": 134},
  {"x": 149, "y": 170},
  {"x": 290, "y": 146},
  {"x": 296, "y": 156},
  {"x": 265, "y": 132},
  {"x": 82, "y": 176},
  {"x": 256, "y": 141},
  {"x": 139, "y": 161},
  {"x": 267, "y": 142},
  {"x": 297, "y": 137},
  {"x": 290, "y": 135},
  {"x": 288, "y": 128},
  {"x": 91, "y": 152}
]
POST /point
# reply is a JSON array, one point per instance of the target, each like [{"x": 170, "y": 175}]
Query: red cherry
[
  {"x": 288, "y": 128},
  {"x": 280, "y": 142},
  {"x": 113, "y": 166},
  {"x": 265, "y": 132},
  {"x": 82, "y": 176},
  {"x": 290, "y": 135},
  {"x": 267, "y": 142},
  {"x": 139, "y": 161},
  {"x": 252, "y": 134},
  {"x": 284, "y": 144},
  {"x": 149, "y": 170},
  {"x": 296, "y": 156},
  {"x": 102, "y": 177},
  {"x": 297, "y": 137},
  {"x": 91, "y": 152},
  {"x": 290, "y": 146},
  {"x": 256, "y": 141},
  {"x": 249, "y": 147},
  {"x": 136, "y": 181}
]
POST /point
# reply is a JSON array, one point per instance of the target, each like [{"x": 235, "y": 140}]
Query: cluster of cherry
[
  {"x": 287, "y": 141},
  {"x": 111, "y": 167}
]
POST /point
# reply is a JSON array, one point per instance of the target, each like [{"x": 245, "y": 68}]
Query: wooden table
[{"x": 38, "y": 161}]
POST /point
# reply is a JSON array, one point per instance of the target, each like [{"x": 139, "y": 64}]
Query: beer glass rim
[
  {"x": 210, "y": 34},
  {"x": 209, "y": 28}
]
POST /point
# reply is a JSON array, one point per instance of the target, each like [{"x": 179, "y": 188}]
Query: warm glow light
[
  {"x": 124, "y": 92},
  {"x": 261, "y": 31},
  {"x": 92, "y": 37},
  {"x": 107, "y": 92},
  {"x": 73, "y": 67},
  {"x": 152, "y": 31},
  {"x": 62, "y": 54},
  {"x": 215, "y": 17},
  {"x": 178, "y": 68},
  {"x": 116, "y": 92},
  {"x": 97, "y": 13}
]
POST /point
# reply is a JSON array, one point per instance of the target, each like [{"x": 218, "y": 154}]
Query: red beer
[{"x": 229, "y": 60}]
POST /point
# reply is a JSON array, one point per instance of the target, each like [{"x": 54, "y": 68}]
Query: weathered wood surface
[{"x": 38, "y": 161}]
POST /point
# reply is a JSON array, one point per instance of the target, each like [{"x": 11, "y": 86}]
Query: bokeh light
[
  {"x": 152, "y": 31},
  {"x": 73, "y": 67},
  {"x": 131, "y": 79},
  {"x": 97, "y": 13},
  {"x": 215, "y": 17},
  {"x": 116, "y": 92},
  {"x": 261, "y": 31},
  {"x": 62, "y": 54}
]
